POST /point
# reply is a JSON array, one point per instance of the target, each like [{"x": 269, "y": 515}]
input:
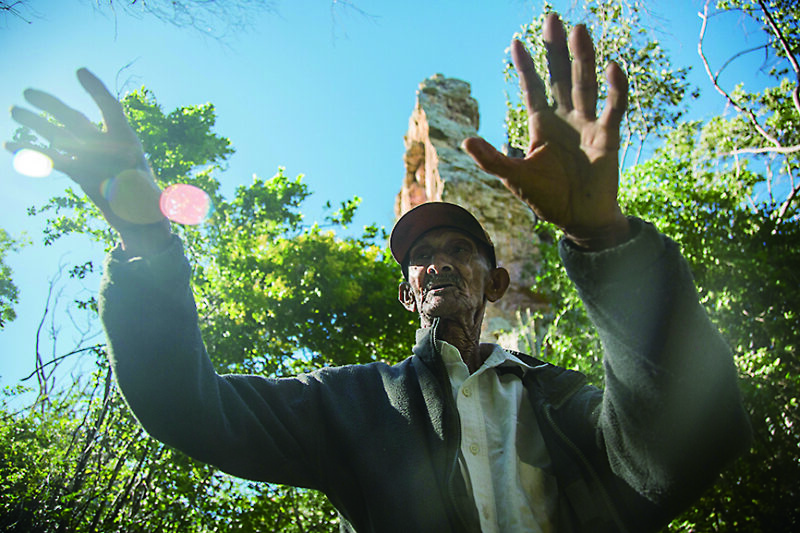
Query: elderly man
[{"x": 461, "y": 436}]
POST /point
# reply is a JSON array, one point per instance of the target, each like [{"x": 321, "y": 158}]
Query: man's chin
[{"x": 441, "y": 309}]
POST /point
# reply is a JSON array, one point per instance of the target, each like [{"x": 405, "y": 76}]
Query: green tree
[
  {"x": 275, "y": 296},
  {"x": 746, "y": 270},
  {"x": 9, "y": 292}
]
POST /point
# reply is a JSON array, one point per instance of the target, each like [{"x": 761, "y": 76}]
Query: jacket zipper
[{"x": 595, "y": 477}]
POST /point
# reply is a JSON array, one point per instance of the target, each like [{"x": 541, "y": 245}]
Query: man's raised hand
[
  {"x": 91, "y": 156},
  {"x": 570, "y": 174}
]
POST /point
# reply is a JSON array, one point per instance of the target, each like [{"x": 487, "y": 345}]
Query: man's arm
[
  {"x": 671, "y": 413},
  {"x": 671, "y": 416},
  {"x": 249, "y": 426}
]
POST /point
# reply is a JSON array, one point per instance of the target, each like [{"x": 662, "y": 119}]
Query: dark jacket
[{"x": 382, "y": 441}]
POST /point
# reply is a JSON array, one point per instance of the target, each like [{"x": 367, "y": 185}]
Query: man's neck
[{"x": 466, "y": 340}]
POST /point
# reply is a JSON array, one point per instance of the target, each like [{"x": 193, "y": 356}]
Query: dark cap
[{"x": 428, "y": 216}]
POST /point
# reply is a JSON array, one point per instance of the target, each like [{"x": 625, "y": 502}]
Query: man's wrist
[
  {"x": 142, "y": 240},
  {"x": 600, "y": 238}
]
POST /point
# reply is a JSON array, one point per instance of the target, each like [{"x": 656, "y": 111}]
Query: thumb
[{"x": 488, "y": 158}]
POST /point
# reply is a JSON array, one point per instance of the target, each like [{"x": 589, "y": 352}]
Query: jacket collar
[
  {"x": 425, "y": 347},
  {"x": 555, "y": 383}
]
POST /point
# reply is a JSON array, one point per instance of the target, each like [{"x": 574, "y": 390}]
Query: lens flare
[
  {"x": 133, "y": 196},
  {"x": 32, "y": 163},
  {"x": 186, "y": 204}
]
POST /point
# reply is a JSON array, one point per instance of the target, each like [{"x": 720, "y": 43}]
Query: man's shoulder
[
  {"x": 557, "y": 384},
  {"x": 376, "y": 370}
]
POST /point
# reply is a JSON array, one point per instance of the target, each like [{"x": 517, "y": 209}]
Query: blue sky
[{"x": 321, "y": 90}]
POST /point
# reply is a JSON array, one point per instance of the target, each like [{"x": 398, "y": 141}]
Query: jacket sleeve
[
  {"x": 671, "y": 415},
  {"x": 252, "y": 427}
]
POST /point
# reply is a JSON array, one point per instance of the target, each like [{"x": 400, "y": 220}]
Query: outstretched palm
[
  {"x": 569, "y": 175},
  {"x": 87, "y": 154},
  {"x": 91, "y": 156}
]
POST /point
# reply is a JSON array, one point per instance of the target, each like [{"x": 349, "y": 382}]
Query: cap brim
[{"x": 428, "y": 216}]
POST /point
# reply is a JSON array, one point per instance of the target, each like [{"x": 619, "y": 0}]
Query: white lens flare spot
[
  {"x": 186, "y": 204},
  {"x": 32, "y": 163}
]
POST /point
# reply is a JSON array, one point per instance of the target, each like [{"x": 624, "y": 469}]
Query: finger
[
  {"x": 617, "y": 100},
  {"x": 489, "y": 159},
  {"x": 74, "y": 120},
  {"x": 530, "y": 83},
  {"x": 555, "y": 42},
  {"x": 584, "y": 79},
  {"x": 113, "y": 115},
  {"x": 57, "y": 135},
  {"x": 61, "y": 162}
]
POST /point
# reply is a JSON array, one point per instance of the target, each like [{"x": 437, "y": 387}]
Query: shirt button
[
  {"x": 474, "y": 448},
  {"x": 466, "y": 391}
]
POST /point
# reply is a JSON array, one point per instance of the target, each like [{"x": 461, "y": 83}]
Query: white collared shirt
[{"x": 502, "y": 451}]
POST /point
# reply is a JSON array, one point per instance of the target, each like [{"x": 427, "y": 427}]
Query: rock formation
[{"x": 436, "y": 169}]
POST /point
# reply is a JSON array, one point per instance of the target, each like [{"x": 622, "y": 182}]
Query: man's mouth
[
  {"x": 439, "y": 287},
  {"x": 441, "y": 284}
]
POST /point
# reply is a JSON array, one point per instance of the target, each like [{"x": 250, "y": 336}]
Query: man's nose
[{"x": 439, "y": 265}]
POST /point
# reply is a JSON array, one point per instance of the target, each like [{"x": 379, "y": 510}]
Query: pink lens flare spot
[{"x": 186, "y": 204}]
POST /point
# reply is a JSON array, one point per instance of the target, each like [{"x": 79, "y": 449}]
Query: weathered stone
[{"x": 437, "y": 169}]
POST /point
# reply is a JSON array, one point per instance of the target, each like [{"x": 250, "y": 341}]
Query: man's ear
[
  {"x": 406, "y": 297},
  {"x": 498, "y": 283}
]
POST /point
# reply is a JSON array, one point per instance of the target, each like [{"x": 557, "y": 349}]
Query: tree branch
[
  {"x": 61, "y": 357},
  {"x": 786, "y": 203},
  {"x": 12, "y": 8},
  {"x": 41, "y": 377},
  {"x": 751, "y": 116},
  {"x": 766, "y": 150},
  {"x": 786, "y": 49},
  {"x": 737, "y": 55}
]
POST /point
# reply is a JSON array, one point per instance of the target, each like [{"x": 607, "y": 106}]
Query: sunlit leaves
[
  {"x": 9, "y": 292},
  {"x": 176, "y": 142},
  {"x": 744, "y": 263},
  {"x": 274, "y": 287}
]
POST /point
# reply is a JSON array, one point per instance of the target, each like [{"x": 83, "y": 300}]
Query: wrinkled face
[{"x": 448, "y": 277}]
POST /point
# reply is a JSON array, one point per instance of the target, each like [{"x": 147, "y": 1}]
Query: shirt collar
[{"x": 451, "y": 358}]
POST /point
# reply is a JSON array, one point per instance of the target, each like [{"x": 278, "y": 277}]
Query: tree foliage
[
  {"x": 745, "y": 267},
  {"x": 9, "y": 292},
  {"x": 276, "y": 296}
]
